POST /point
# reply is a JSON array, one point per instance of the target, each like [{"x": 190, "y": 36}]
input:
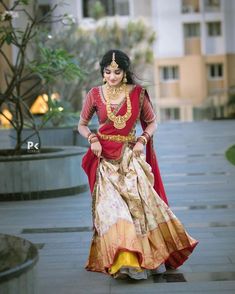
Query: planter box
[
  {"x": 54, "y": 172},
  {"x": 18, "y": 265},
  {"x": 49, "y": 137}
]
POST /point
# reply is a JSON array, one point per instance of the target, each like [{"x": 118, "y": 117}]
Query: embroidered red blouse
[{"x": 95, "y": 102}]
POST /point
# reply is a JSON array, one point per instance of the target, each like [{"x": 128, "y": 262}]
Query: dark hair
[{"x": 122, "y": 60}]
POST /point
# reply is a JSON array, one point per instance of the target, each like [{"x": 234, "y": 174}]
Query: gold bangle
[
  {"x": 88, "y": 135},
  {"x": 91, "y": 135},
  {"x": 146, "y": 134},
  {"x": 93, "y": 140},
  {"x": 142, "y": 139}
]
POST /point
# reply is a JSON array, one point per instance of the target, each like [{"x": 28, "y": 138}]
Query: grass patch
[{"x": 230, "y": 154}]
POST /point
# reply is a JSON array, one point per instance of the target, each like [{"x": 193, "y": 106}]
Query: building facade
[
  {"x": 195, "y": 57},
  {"x": 194, "y": 68},
  {"x": 194, "y": 65}
]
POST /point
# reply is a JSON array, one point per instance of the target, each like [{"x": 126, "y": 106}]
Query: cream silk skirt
[{"x": 135, "y": 231}]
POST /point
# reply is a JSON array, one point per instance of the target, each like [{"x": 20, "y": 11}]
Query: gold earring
[
  {"x": 124, "y": 79},
  {"x": 104, "y": 80}
]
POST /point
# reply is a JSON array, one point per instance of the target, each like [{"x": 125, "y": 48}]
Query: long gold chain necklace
[{"x": 119, "y": 120}]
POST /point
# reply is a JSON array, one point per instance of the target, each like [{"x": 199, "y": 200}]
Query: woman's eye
[{"x": 117, "y": 72}]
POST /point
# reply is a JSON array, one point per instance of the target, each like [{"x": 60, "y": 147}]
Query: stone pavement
[{"x": 200, "y": 185}]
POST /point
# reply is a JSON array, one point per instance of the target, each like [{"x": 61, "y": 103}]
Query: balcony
[
  {"x": 215, "y": 85},
  {"x": 212, "y": 6},
  {"x": 190, "y": 6}
]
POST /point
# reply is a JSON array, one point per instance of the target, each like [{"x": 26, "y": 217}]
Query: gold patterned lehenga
[{"x": 135, "y": 231}]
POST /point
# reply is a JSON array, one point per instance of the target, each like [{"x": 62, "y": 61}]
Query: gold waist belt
[{"x": 118, "y": 138}]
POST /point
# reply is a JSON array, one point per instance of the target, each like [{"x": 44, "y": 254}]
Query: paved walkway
[{"x": 200, "y": 184}]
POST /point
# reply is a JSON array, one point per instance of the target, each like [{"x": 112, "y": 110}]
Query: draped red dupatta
[{"x": 113, "y": 150}]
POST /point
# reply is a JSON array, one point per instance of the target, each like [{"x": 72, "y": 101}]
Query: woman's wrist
[
  {"x": 146, "y": 135},
  {"x": 144, "y": 138},
  {"x": 91, "y": 136},
  {"x": 141, "y": 139},
  {"x": 94, "y": 140}
]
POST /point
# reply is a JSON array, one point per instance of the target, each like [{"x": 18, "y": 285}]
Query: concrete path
[{"x": 200, "y": 185}]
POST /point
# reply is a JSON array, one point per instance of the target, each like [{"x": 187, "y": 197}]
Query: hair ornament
[{"x": 114, "y": 64}]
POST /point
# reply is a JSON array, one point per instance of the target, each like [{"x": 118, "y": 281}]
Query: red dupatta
[
  {"x": 113, "y": 150},
  {"x": 152, "y": 161}
]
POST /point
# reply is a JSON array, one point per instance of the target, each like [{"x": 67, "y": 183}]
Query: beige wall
[
  {"x": 192, "y": 78},
  {"x": 192, "y": 46},
  {"x": 193, "y": 87},
  {"x": 231, "y": 69}
]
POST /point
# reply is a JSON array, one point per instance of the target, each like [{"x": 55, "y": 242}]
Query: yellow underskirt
[{"x": 125, "y": 259}]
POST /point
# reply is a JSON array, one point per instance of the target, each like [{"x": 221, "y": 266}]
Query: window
[
  {"x": 212, "y": 3},
  {"x": 190, "y": 6},
  {"x": 122, "y": 7},
  {"x": 169, "y": 114},
  {"x": 191, "y": 30},
  {"x": 111, "y": 7},
  {"x": 214, "y": 29},
  {"x": 169, "y": 73},
  {"x": 215, "y": 71},
  {"x": 43, "y": 9}
]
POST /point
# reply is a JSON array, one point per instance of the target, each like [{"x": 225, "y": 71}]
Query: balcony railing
[
  {"x": 190, "y": 6},
  {"x": 215, "y": 85}
]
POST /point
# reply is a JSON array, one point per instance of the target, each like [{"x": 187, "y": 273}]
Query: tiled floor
[{"x": 200, "y": 185}]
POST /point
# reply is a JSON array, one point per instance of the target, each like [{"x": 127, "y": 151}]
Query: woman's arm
[
  {"x": 87, "y": 112},
  {"x": 83, "y": 128},
  {"x": 151, "y": 128}
]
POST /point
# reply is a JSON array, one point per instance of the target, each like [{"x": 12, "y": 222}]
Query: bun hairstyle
[{"x": 122, "y": 60}]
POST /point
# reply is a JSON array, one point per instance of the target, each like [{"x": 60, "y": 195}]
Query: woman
[{"x": 135, "y": 232}]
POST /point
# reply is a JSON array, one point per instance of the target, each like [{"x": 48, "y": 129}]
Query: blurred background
[{"x": 183, "y": 52}]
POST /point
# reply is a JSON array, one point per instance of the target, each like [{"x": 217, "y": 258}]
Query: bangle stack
[
  {"x": 92, "y": 138},
  {"x": 146, "y": 135},
  {"x": 144, "y": 138}
]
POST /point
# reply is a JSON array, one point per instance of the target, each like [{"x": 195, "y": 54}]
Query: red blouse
[{"x": 95, "y": 102}]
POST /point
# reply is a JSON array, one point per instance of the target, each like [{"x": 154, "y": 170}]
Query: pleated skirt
[{"x": 135, "y": 232}]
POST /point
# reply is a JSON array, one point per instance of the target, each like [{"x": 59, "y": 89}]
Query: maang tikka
[{"x": 113, "y": 64}]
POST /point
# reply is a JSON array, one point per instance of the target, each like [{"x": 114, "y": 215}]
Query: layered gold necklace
[{"x": 119, "y": 120}]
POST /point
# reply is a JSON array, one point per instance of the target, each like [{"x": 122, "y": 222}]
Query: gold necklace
[
  {"x": 114, "y": 91},
  {"x": 119, "y": 120}
]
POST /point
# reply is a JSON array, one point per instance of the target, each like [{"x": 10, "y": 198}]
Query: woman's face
[{"x": 113, "y": 76}]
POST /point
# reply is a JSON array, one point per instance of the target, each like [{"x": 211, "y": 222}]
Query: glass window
[
  {"x": 215, "y": 70},
  {"x": 214, "y": 29},
  {"x": 43, "y": 9},
  {"x": 212, "y": 3},
  {"x": 111, "y": 7},
  {"x": 190, "y": 6},
  {"x": 169, "y": 73},
  {"x": 191, "y": 30},
  {"x": 122, "y": 7},
  {"x": 170, "y": 113}
]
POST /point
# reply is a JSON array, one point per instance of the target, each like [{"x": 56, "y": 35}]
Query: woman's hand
[
  {"x": 96, "y": 148},
  {"x": 138, "y": 149}
]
